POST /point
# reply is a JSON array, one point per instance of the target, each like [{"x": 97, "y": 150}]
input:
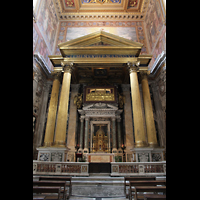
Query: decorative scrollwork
[{"x": 78, "y": 100}]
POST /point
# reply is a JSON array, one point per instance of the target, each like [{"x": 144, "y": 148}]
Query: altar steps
[
  {"x": 98, "y": 187},
  {"x": 98, "y": 180}
]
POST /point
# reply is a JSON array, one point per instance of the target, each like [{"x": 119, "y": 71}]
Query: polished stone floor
[
  {"x": 97, "y": 188},
  {"x": 97, "y": 198},
  {"x": 98, "y": 191}
]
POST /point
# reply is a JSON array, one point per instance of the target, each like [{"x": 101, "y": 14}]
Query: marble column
[
  {"x": 151, "y": 130},
  {"x": 51, "y": 119},
  {"x": 119, "y": 133},
  {"x": 128, "y": 122},
  {"x": 159, "y": 115},
  {"x": 86, "y": 150},
  {"x": 72, "y": 124},
  {"x": 60, "y": 134},
  {"x": 114, "y": 144},
  {"x": 81, "y": 133},
  {"x": 139, "y": 131}
]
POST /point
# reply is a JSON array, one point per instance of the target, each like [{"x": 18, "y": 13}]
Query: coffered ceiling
[{"x": 101, "y": 9}]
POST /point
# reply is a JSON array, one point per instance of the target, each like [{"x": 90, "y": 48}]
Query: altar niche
[{"x": 100, "y": 139}]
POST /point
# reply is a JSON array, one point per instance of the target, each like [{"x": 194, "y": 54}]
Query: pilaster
[{"x": 72, "y": 125}]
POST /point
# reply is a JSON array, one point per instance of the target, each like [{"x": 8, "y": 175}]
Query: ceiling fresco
[{"x": 78, "y": 9}]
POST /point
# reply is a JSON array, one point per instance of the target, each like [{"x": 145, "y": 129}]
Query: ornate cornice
[
  {"x": 86, "y": 12},
  {"x": 42, "y": 63},
  {"x": 102, "y": 16},
  {"x": 158, "y": 63}
]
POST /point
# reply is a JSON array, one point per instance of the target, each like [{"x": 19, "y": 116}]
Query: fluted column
[
  {"x": 51, "y": 118},
  {"x": 139, "y": 131},
  {"x": 86, "y": 150},
  {"x": 114, "y": 144},
  {"x": 119, "y": 132},
  {"x": 60, "y": 134},
  {"x": 81, "y": 133},
  {"x": 151, "y": 130}
]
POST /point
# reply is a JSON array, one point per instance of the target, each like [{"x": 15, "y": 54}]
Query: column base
[
  {"x": 154, "y": 145},
  {"x": 141, "y": 144},
  {"x": 48, "y": 144},
  {"x": 59, "y": 144}
]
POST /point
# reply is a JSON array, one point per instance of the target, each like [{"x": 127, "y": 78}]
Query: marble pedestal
[
  {"x": 148, "y": 154},
  {"x": 52, "y": 154}
]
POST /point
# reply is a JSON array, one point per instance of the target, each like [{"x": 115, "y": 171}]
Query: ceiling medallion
[
  {"x": 133, "y": 3},
  {"x": 69, "y": 3},
  {"x": 101, "y": 1}
]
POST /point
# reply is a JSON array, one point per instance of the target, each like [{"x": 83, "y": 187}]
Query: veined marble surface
[{"x": 98, "y": 191}]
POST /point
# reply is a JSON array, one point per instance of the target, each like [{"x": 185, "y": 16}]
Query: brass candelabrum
[
  {"x": 123, "y": 147},
  {"x": 77, "y": 147}
]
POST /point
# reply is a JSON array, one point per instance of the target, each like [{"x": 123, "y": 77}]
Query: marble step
[
  {"x": 96, "y": 198},
  {"x": 106, "y": 178},
  {"x": 98, "y": 191},
  {"x": 86, "y": 181}
]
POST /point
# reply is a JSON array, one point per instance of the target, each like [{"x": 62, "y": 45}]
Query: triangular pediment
[
  {"x": 100, "y": 38},
  {"x": 100, "y": 106}
]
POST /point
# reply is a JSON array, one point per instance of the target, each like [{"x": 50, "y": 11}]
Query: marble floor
[
  {"x": 97, "y": 188},
  {"x": 98, "y": 191},
  {"x": 97, "y": 198}
]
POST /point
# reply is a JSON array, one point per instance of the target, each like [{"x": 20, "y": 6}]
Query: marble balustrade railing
[
  {"x": 117, "y": 168},
  {"x": 138, "y": 168},
  {"x": 60, "y": 168}
]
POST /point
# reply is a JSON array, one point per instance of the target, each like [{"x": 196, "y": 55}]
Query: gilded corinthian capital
[
  {"x": 133, "y": 66},
  {"x": 67, "y": 66}
]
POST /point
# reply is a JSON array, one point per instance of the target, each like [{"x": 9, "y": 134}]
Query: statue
[
  {"x": 121, "y": 100},
  {"x": 78, "y": 100}
]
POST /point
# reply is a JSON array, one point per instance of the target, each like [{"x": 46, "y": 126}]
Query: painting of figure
[
  {"x": 47, "y": 22},
  {"x": 125, "y": 32},
  {"x": 154, "y": 22}
]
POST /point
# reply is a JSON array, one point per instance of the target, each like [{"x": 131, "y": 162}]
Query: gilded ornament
[
  {"x": 78, "y": 100},
  {"x": 121, "y": 100}
]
